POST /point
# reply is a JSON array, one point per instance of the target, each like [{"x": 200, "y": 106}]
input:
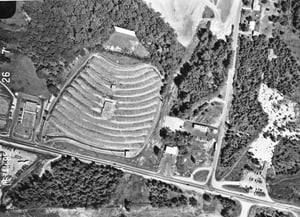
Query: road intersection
[{"x": 211, "y": 186}]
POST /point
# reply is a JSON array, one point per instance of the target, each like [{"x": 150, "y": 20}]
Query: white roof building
[
  {"x": 124, "y": 31},
  {"x": 256, "y": 5},
  {"x": 201, "y": 128},
  {"x": 252, "y": 25},
  {"x": 172, "y": 150}
]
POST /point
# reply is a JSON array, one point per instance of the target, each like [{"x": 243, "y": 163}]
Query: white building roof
[
  {"x": 172, "y": 150},
  {"x": 201, "y": 128},
  {"x": 174, "y": 123},
  {"x": 252, "y": 25},
  {"x": 124, "y": 31}
]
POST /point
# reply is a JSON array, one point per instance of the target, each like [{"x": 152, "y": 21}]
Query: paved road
[
  {"x": 150, "y": 174},
  {"x": 228, "y": 97}
]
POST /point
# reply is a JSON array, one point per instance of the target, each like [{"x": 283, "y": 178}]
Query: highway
[
  {"x": 149, "y": 174},
  {"x": 212, "y": 186}
]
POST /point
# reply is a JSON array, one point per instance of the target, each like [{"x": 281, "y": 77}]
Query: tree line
[
  {"x": 59, "y": 29},
  {"x": 203, "y": 74}
]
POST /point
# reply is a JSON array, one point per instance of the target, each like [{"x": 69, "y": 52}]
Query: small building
[
  {"x": 108, "y": 109},
  {"x": 124, "y": 31},
  {"x": 173, "y": 150},
  {"x": 252, "y": 24},
  {"x": 202, "y": 128},
  {"x": 30, "y": 107},
  {"x": 256, "y": 5}
]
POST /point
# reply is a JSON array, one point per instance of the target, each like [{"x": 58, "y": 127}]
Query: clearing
[
  {"x": 24, "y": 78},
  {"x": 185, "y": 16},
  {"x": 280, "y": 111}
]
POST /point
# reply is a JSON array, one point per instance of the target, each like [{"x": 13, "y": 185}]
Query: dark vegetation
[
  {"x": 71, "y": 184},
  {"x": 185, "y": 142},
  {"x": 284, "y": 185},
  {"x": 246, "y": 116},
  {"x": 296, "y": 14},
  {"x": 283, "y": 73},
  {"x": 289, "y": 14},
  {"x": 60, "y": 29},
  {"x": 203, "y": 74},
  {"x": 230, "y": 208},
  {"x": 286, "y": 158},
  {"x": 181, "y": 139},
  {"x": 286, "y": 190},
  {"x": 264, "y": 212},
  {"x": 165, "y": 195}
]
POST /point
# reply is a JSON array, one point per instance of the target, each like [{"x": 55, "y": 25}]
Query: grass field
[
  {"x": 126, "y": 44},
  {"x": 23, "y": 77},
  {"x": 201, "y": 175}
]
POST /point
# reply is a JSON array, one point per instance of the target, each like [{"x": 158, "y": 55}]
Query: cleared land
[
  {"x": 107, "y": 106},
  {"x": 5, "y": 101},
  {"x": 24, "y": 78}
]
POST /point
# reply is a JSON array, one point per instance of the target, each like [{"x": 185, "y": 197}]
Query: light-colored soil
[
  {"x": 224, "y": 6},
  {"x": 280, "y": 111},
  {"x": 185, "y": 16}
]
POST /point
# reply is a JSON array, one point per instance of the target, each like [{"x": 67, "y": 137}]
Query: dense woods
[
  {"x": 263, "y": 212},
  {"x": 60, "y": 29},
  {"x": 286, "y": 158},
  {"x": 283, "y": 72},
  {"x": 230, "y": 208},
  {"x": 165, "y": 195},
  {"x": 203, "y": 74},
  {"x": 289, "y": 14},
  {"x": 71, "y": 184},
  {"x": 246, "y": 116}
]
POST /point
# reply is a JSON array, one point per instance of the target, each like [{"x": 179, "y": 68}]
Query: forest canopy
[
  {"x": 203, "y": 74},
  {"x": 59, "y": 29}
]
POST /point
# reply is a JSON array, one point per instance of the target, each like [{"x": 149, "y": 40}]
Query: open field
[
  {"x": 6, "y": 100},
  {"x": 108, "y": 106},
  {"x": 24, "y": 78},
  {"x": 128, "y": 44},
  {"x": 210, "y": 113},
  {"x": 201, "y": 175}
]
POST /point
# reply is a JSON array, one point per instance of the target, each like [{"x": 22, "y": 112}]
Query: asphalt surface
[{"x": 149, "y": 174}]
